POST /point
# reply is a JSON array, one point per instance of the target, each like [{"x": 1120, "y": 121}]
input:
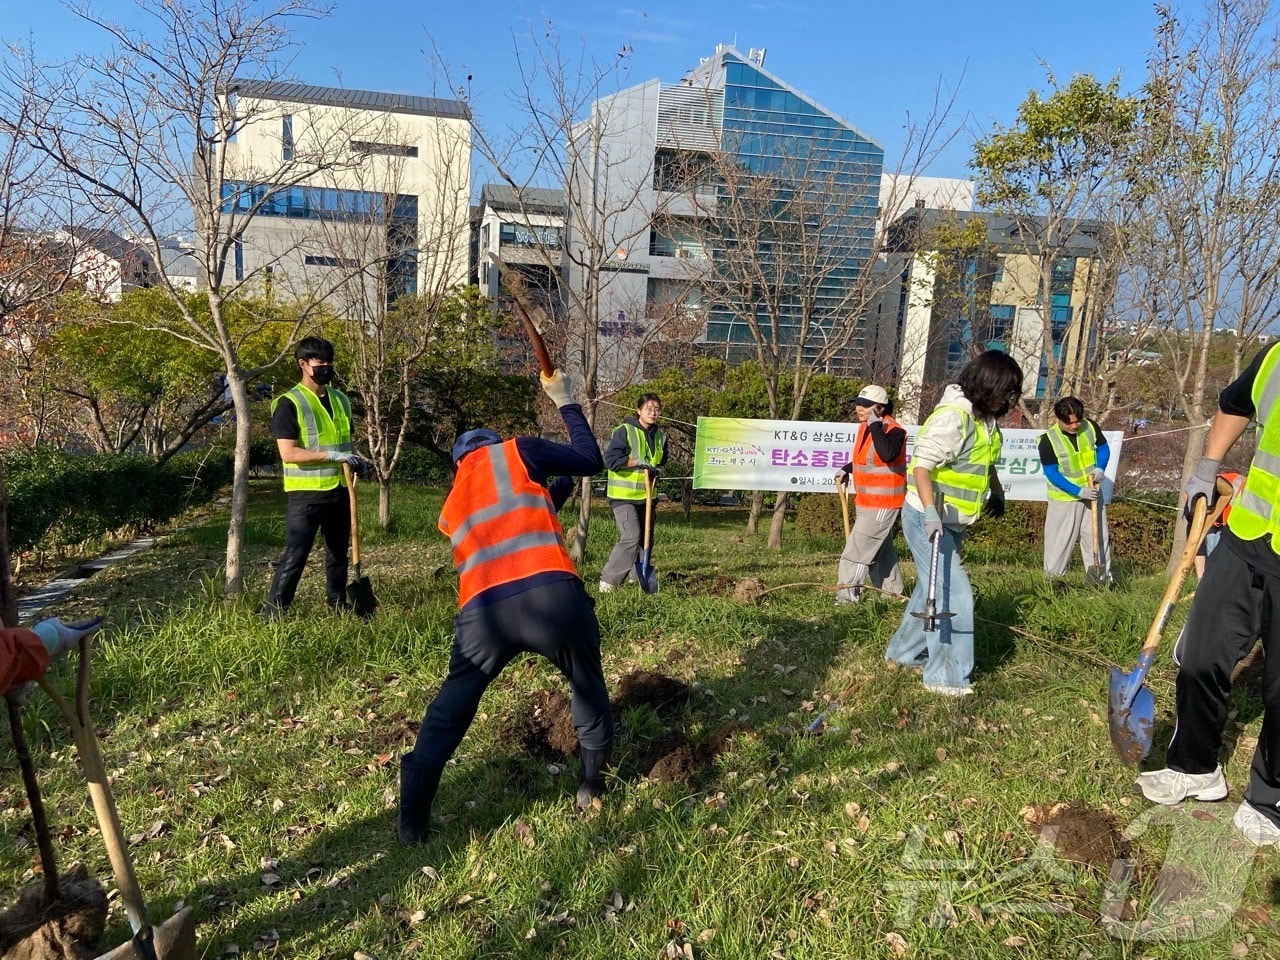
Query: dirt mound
[
  {"x": 648, "y": 688},
  {"x": 70, "y": 929},
  {"x": 1084, "y": 835},
  {"x": 544, "y": 726},
  {"x": 676, "y": 759},
  {"x": 713, "y": 585},
  {"x": 748, "y": 590}
]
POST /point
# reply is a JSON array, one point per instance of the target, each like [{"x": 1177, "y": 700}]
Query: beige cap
[{"x": 873, "y": 394}]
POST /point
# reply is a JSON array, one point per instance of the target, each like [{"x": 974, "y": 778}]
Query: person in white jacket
[{"x": 952, "y": 478}]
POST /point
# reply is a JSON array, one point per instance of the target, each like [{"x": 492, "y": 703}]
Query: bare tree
[
  {"x": 34, "y": 270},
  {"x": 148, "y": 132},
  {"x": 787, "y": 251},
  {"x": 395, "y": 265},
  {"x": 1206, "y": 194}
]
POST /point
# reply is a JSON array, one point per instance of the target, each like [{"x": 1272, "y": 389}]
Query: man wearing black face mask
[{"x": 312, "y": 427}]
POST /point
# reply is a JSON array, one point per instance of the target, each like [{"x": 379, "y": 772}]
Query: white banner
[{"x": 737, "y": 454}]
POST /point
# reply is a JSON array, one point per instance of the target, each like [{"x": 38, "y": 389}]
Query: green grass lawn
[{"x": 256, "y": 765}]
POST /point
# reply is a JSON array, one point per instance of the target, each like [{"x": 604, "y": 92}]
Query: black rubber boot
[
  {"x": 591, "y": 783},
  {"x": 418, "y": 784}
]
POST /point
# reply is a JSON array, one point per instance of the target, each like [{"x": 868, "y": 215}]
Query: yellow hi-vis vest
[
  {"x": 1254, "y": 513},
  {"x": 628, "y": 484},
  {"x": 317, "y": 430},
  {"x": 963, "y": 482},
  {"x": 1074, "y": 463}
]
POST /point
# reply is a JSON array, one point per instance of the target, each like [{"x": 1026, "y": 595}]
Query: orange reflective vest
[
  {"x": 501, "y": 523},
  {"x": 878, "y": 485},
  {"x": 1237, "y": 484}
]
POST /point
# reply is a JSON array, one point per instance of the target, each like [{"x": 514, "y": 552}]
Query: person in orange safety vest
[
  {"x": 518, "y": 592},
  {"x": 878, "y": 472}
]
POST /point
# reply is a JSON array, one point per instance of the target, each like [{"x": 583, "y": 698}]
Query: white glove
[
  {"x": 59, "y": 637},
  {"x": 1088, "y": 493},
  {"x": 1097, "y": 475},
  {"x": 1202, "y": 483},
  {"x": 932, "y": 522},
  {"x": 872, "y": 416},
  {"x": 558, "y": 387}
]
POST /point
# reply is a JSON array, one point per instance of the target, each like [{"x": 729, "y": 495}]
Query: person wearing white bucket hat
[{"x": 878, "y": 470}]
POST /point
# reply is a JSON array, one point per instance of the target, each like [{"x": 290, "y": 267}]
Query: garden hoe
[
  {"x": 932, "y": 614},
  {"x": 175, "y": 939},
  {"x": 842, "y": 491},
  {"x": 1097, "y": 572},
  {"x": 359, "y": 590},
  {"x": 644, "y": 565},
  {"x": 1131, "y": 707}
]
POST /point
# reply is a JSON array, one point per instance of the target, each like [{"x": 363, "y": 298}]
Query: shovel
[
  {"x": 1098, "y": 571},
  {"x": 175, "y": 939},
  {"x": 932, "y": 614},
  {"x": 842, "y": 491},
  {"x": 644, "y": 565},
  {"x": 1131, "y": 707},
  {"x": 359, "y": 590}
]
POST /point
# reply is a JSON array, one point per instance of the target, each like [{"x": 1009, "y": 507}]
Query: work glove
[
  {"x": 359, "y": 466},
  {"x": 59, "y": 637},
  {"x": 994, "y": 507},
  {"x": 647, "y": 467},
  {"x": 1088, "y": 493},
  {"x": 1202, "y": 483},
  {"x": 1097, "y": 475},
  {"x": 558, "y": 387},
  {"x": 932, "y": 522},
  {"x": 872, "y": 416}
]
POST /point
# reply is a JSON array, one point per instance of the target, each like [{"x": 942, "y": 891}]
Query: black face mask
[{"x": 322, "y": 375}]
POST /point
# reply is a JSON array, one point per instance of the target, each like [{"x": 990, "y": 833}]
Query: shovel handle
[
  {"x": 842, "y": 491},
  {"x": 355, "y": 517},
  {"x": 1201, "y": 520}
]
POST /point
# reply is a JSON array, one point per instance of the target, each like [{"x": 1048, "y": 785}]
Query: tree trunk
[
  {"x": 779, "y": 518},
  {"x": 578, "y": 552},
  {"x": 753, "y": 515},
  {"x": 238, "y": 384},
  {"x": 8, "y": 601},
  {"x": 384, "y": 503}
]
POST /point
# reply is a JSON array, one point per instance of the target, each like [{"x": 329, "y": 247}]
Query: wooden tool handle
[
  {"x": 514, "y": 284},
  {"x": 842, "y": 491},
  {"x": 355, "y": 516}
]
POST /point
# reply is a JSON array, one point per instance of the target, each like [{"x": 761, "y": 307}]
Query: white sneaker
[
  {"x": 948, "y": 691},
  {"x": 1169, "y": 786},
  {"x": 606, "y": 587},
  {"x": 1257, "y": 827}
]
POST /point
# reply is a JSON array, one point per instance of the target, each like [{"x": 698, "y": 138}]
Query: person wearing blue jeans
[{"x": 953, "y": 473}]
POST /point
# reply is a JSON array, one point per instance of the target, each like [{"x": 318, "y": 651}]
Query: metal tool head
[{"x": 1131, "y": 714}]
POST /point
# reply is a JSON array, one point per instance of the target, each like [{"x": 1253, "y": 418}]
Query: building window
[
  {"x": 286, "y": 137},
  {"x": 522, "y": 235},
  {"x": 239, "y": 250},
  {"x": 312, "y": 260},
  {"x": 384, "y": 149}
]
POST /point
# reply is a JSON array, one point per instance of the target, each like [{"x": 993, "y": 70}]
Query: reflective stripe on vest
[
  {"x": 317, "y": 430},
  {"x": 1074, "y": 463},
  {"x": 502, "y": 525},
  {"x": 628, "y": 484},
  {"x": 964, "y": 482},
  {"x": 878, "y": 485},
  {"x": 1254, "y": 513}
]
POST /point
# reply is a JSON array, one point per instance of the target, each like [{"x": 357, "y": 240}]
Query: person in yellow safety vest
[
  {"x": 953, "y": 473},
  {"x": 1237, "y": 602},
  {"x": 311, "y": 424},
  {"x": 637, "y": 447},
  {"x": 1074, "y": 456}
]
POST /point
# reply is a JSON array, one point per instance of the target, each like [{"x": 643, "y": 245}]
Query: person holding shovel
[
  {"x": 953, "y": 475},
  {"x": 1074, "y": 455},
  {"x": 518, "y": 592},
  {"x": 879, "y": 473},
  {"x": 1237, "y": 602},
  {"x": 635, "y": 452},
  {"x": 26, "y": 654},
  {"x": 311, "y": 423}
]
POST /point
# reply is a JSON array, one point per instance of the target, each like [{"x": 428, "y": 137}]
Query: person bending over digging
[
  {"x": 1237, "y": 602},
  {"x": 518, "y": 592},
  {"x": 953, "y": 472}
]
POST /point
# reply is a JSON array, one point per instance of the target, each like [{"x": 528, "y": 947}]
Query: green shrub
[
  {"x": 57, "y": 499},
  {"x": 819, "y": 514},
  {"x": 420, "y": 465}
]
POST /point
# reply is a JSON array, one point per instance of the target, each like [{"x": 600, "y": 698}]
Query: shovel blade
[
  {"x": 645, "y": 573},
  {"x": 360, "y": 593},
  {"x": 175, "y": 939},
  {"x": 1131, "y": 713}
]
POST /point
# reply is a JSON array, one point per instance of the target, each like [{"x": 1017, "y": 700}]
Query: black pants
[
  {"x": 1234, "y": 605},
  {"x": 556, "y": 620},
  {"x": 304, "y": 515}
]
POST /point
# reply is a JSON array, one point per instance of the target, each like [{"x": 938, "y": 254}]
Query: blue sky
[{"x": 873, "y": 63}]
